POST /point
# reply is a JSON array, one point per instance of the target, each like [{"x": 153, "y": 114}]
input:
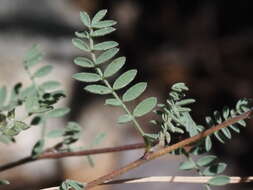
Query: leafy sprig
[
  {"x": 242, "y": 106},
  {"x": 176, "y": 121},
  {"x": 101, "y": 54}
]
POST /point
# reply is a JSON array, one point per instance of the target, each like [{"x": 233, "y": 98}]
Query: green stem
[{"x": 93, "y": 56}]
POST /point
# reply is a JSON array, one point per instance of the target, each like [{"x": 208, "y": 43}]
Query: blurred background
[{"x": 206, "y": 44}]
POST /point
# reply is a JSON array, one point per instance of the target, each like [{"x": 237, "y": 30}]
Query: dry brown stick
[
  {"x": 56, "y": 155},
  {"x": 178, "y": 179},
  {"x": 166, "y": 150}
]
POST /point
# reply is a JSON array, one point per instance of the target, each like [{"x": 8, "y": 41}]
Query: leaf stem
[
  {"x": 93, "y": 56},
  {"x": 51, "y": 153}
]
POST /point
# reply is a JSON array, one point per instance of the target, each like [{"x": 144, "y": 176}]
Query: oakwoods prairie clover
[{"x": 104, "y": 77}]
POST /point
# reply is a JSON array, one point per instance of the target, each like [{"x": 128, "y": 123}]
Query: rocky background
[{"x": 207, "y": 44}]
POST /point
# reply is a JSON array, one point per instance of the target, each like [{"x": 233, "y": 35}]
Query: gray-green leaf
[
  {"x": 4, "y": 182},
  {"x": 87, "y": 77},
  {"x": 80, "y": 44},
  {"x": 187, "y": 165},
  {"x": 114, "y": 66},
  {"x": 124, "y": 79},
  {"x": 98, "y": 89},
  {"x": 102, "y": 32},
  {"x": 219, "y": 180},
  {"x": 32, "y": 104},
  {"x": 208, "y": 143},
  {"x": 21, "y": 125},
  {"x": 107, "y": 55},
  {"x": 43, "y": 71},
  {"x": 124, "y": 118},
  {"x": 49, "y": 85},
  {"x": 215, "y": 169},
  {"x": 38, "y": 148},
  {"x": 85, "y": 18},
  {"x": 105, "y": 45},
  {"x": 112, "y": 102},
  {"x": 3, "y": 93},
  {"x": 33, "y": 56},
  {"x": 104, "y": 23},
  {"x": 58, "y": 112},
  {"x": 55, "y": 133},
  {"x": 134, "y": 92},
  {"x": 206, "y": 160},
  {"x": 84, "y": 62},
  {"x": 226, "y": 132},
  {"x": 82, "y": 34},
  {"x": 98, "y": 16},
  {"x": 145, "y": 107},
  {"x": 185, "y": 102},
  {"x": 31, "y": 90}
]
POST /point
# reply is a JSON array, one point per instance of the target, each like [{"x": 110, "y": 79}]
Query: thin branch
[
  {"x": 50, "y": 154},
  {"x": 171, "y": 179},
  {"x": 153, "y": 155}
]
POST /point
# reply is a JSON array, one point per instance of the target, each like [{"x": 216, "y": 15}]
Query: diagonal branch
[
  {"x": 178, "y": 179},
  {"x": 153, "y": 155}
]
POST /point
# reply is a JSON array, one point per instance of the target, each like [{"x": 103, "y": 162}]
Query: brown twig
[
  {"x": 166, "y": 150},
  {"x": 178, "y": 179},
  {"x": 50, "y": 154}
]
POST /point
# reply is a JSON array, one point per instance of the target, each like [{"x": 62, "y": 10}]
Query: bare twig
[
  {"x": 178, "y": 179},
  {"x": 50, "y": 154}
]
